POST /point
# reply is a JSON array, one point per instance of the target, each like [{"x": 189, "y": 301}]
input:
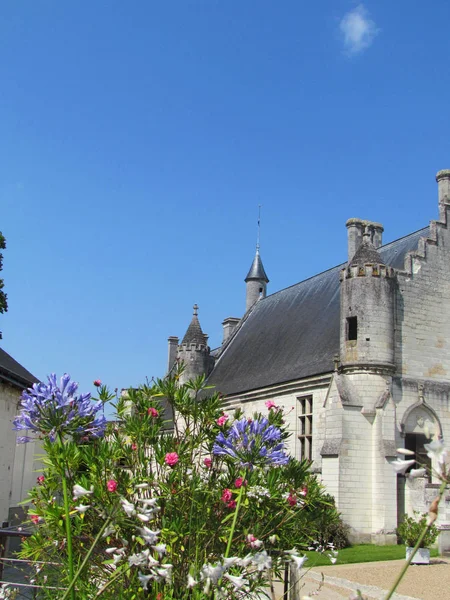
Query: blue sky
[{"x": 138, "y": 139}]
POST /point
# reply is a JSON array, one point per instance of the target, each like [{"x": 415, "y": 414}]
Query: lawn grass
[{"x": 360, "y": 553}]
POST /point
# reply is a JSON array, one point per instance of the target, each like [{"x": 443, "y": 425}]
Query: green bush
[
  {"x": 331, "y": 528},
  {"x": 410, "y": 530}
]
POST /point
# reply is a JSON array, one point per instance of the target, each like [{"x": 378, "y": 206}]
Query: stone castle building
[{"x": 362, "y": 353}]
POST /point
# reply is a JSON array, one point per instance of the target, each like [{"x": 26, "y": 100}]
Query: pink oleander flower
[
  {"x": 292, "y": 500},
  {"x": 153, "y": 412},
  {"x": 207, "y": 462},
  {"x": 171, "y": 459},
  {"x": 271, "y": 404},
  {"x": 97, "y": 383},
  {"x": 40, "y": 479},
  {"x": 111, "y": 485},
  {"x": 227, "y": 496},
  {"x": 34, "y": 519},
  {"x": 222, "y": 420},
  {"x": 240, "y": 481},
  {"x": 304, "y": 491},
  {"x": 231, "y": 504},
  {"x": 134, "y": 446}
]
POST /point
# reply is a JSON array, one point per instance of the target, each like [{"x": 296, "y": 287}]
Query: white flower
[
  {"x": 144, "y": 579},
  {"x": 160, "y": 549},
  {"x": 273, "y": 539},
  {"x": 82, "y": 508},
  {"x": 244, "y": 562},
  {"x": 299, "y": 560},
  {"x": 79, "y": 491},
  {"x": 128, "y": 507},
  {"x": 109, "y": 529},
  {"x": 139, "y": 559},
  {"x": 400, "y": 466},
  {"x": 150, "y": 537},
  {"x": 143, "y": 517},
  {"x": 332, "y": 558},
  {"x": 110, "y": 550},
  {"x": 165, "y": 572},
  {"x": 229, "y": 562},
  {"x": 262, "y": 560},
  {"x": 434, "y": 449},
  {"x": 405, "y": 452},
  {"x": 212, "y": 572},
  {"x": 191, "y": 582},
  {"x": 238, "y": 582},
  {"x": 417, "y": 473},
  {"x": 438, "y": 452}
]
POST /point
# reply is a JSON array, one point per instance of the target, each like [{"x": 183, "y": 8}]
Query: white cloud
[{"x": 358, "y": 30}]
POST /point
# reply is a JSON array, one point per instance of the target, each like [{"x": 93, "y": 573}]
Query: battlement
[
  {"x": 367, "y": 270},
  {"x": 193, "y": 348}
]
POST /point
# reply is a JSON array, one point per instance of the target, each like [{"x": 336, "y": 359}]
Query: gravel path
[{"x": 421, "y": 582}]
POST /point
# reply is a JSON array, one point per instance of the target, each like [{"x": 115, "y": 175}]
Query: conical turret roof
[
  {"x": 194, "y": 333},
  {"x": 257, "y": 270},
  {"x": 366, "y": 253}
]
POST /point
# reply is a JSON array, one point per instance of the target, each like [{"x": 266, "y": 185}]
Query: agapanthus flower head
[
  {"x": 55, "y": 409},
  {"x": 252, "y": 442}
]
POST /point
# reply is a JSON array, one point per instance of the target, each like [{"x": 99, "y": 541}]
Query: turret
[
  {"x": 194, "y": 351},
  {"x": 367, "y": 309},
  {"x": 256, "y": 281}
]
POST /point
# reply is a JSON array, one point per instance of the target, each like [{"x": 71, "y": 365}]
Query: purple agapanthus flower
[
  {"x": 54, "y": 409},
  {"x": 253, "y": 443}
]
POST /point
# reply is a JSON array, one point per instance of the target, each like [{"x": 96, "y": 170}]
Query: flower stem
[
  {"x": 416, "y": 547},
  {"x": 236, "y": 512},
  {"x": 68, "y": 533},
  {"x": 71, "y": 589}
]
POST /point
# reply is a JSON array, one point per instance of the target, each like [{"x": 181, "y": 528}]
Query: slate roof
[
  {"x": 366, "y": 253},
  {"x": 293, "y": 333},
  {"x": 194, "y": 333},
  {"x": 257, "y": 270},
  {"x": 12, "y": 371}
]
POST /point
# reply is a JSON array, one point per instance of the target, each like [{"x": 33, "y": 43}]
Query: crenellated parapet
[{"x": 367, "y": 270}]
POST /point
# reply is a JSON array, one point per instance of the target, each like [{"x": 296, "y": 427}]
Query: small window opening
[
  {"x": 352, "y": 328},
  {"x": 260, "y": 290}
]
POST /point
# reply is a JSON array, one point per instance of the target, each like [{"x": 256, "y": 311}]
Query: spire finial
[
  {"x": 259, "y": 227},
  {"x": 195, "y": 307}
]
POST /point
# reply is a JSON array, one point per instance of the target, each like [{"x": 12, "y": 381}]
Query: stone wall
[{"x": 18, "y": 463}]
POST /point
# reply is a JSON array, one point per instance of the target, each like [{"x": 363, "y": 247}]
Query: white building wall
[
  {"x": 18, "y": 462},
  {"x": 9, "y": 397}
]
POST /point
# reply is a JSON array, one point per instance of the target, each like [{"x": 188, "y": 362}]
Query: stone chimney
[
  {"x": 443, "y": 181},
  {"x": 173, "y": 348},
  {"x": 355, "y": 232},
  {"x": 229, "y": 325}
]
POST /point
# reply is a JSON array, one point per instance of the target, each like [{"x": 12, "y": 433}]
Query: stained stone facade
[
  {"x": 359, "y": 356},
  {"x": 17, "y": 462}
]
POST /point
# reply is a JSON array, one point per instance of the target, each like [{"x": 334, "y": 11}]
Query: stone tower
[
  {"x": 256, "y": 281},
  {"x": 367, "y": 309},
  {"x": 193, "y": 351}
]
